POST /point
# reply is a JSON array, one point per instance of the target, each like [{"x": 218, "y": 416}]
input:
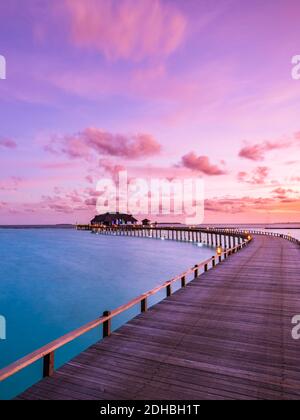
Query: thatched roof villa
[{"x": 110, "y": 219}]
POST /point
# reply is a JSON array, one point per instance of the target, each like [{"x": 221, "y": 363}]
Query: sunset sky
[{"x": 162, "y": 88}]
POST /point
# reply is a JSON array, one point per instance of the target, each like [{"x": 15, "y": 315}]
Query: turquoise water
[{"x": 55, "y": 280}]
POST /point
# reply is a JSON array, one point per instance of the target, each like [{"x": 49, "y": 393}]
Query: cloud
[
  {"x": 76, "y": 147},
  {"x": 257, "y": 177},
  {"x": 56, "y": 165},
  {"x": 225, "y": 205},
  {"x": 201, "y": 164},
  {"x": 10, "y": 184},
  {"x": 258, "y": 151},
  {"x": 235, "y": 205},
  {"x": 8, "y": 143},
  {"x": 91, "y": 201},
  {"x": 297, "y": 136},
  {"x": 89, "y": 179},
  {"x": 111, "y": 168},
  {"x": 66, "y": 203},
  {"x": 91, "y": 140},
  {"x": 126, "y": 29},
  {"x": 130, "y": 147},
  {"x": 92, "y": 196},
  {"x": 283, "y": 194},
  {"x": 74, "y": 197}
]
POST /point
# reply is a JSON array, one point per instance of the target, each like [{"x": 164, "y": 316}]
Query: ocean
[{"x": 56, "y": 280}]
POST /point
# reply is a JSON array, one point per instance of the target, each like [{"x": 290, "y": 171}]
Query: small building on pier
[
  {"x": 146, "y": 222},
  {"x": 113, "y": 219}
]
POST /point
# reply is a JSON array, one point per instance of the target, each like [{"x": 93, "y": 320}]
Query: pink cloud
[
  {"x": 8, "y": 143},
  {"x": 257, "y": 177},
  {"x": 92, "y": 196},
  {"x": 225, "y": 205},
  {"x": 89, "y": 179},
  {"x": 90, "y": 192},
  {"x": 56, "y": 165},
  {"x": 67, "y": 204},
  {"x": 76, "y": 147},
  {"x": 110, "y": 167},
  {"x": 91, "y": 201},
  {"x": 283, "y": 193},
  {"x": 251, "y": 205},
  {"x": 258, "y": 151},
  {"x": 128, "y": 29},
  {"x": 90, "y": 140},
  {"x": 132, "y": 147},
  {"x": 74, "y": 197},
  {"x": 297, "y": 136},
  {"x": 201, "y": 164},
  {"x": 10, "y": 184}
]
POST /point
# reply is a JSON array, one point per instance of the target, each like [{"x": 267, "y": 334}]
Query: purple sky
[{"x": 158, "y": 87}]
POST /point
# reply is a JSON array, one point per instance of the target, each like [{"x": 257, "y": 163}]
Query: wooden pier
[
  {"x": 208, "y": 236},
  {"x": 224, "y": 335}
]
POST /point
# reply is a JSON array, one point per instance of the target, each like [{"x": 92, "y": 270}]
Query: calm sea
[{"x": 55, "y": 280}]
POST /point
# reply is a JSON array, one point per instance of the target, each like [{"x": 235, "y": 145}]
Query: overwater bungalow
[{"x": 112, "y": 219}]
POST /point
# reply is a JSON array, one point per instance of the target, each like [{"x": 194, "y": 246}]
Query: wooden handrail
[
  {"x": 257, "y": 232},
  {"x": 47, "y": 349},
  {"x": 47, "y": 352},
  {"x": 225, "y": 231}
]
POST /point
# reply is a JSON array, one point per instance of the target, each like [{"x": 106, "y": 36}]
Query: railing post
[
  {"x": 106, "y": 325},
  {"x": 144, "y": 305},
  {"x": 48, "y": 368},
  {"x": 206, "y": 267},
  {"x": 196, "y": 272},
  {"x": 183, "y": 281},
  {"x": 213, "y": 261},
  {"x": 169, "y": 290}
]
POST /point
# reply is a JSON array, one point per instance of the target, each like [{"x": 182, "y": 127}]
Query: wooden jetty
[{"x": 224, "y": 335}]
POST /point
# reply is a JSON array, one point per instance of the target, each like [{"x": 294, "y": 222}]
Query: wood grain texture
[{"x": 227, "y": 335}]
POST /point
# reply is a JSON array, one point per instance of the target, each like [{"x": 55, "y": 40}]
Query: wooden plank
[{"x": 226, "y": 335}]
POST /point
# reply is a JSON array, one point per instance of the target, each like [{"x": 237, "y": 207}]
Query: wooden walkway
[{"x": 226, "y": 336}]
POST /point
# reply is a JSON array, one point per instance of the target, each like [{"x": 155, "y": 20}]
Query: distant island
[
  {"x": 288, "y": 225},
  {"x": 60, "y": 226}
]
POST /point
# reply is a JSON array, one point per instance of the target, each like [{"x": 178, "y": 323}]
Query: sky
[{"x": 160, "y": 88}]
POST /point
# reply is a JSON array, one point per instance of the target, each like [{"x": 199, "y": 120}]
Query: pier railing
[
  {"x": 212, "y": 235},
  {"x": 207, "y": 236},
  {"x": 47, "y": 352},
  {"x": 288, "y": 237}
]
